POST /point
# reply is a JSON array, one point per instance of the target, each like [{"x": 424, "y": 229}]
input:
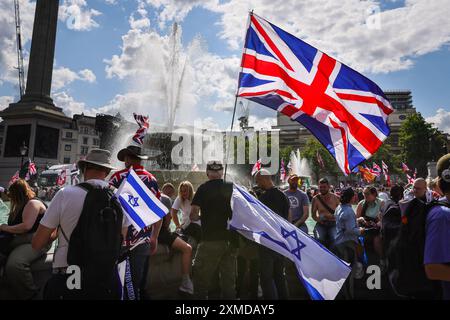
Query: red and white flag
[
  {"x": 61, "y": 178},
  {"x": 410, "y": 179},
  {"x": 385, "y": 168},
  {"x": 195, "y": 168},
  {"x": 32, "y": 168},
  {"x": 376, "y": 170},
  {"x": 143, "y": 127},
  {"x": 256, "y": 167},
  {"x": 320, "y": 160},
  {"x": 14, "y": 178},
  {"x": 282, "y": 172},
  {"x": 405, "y": 167},
  {"x": 388, "y": 181}
]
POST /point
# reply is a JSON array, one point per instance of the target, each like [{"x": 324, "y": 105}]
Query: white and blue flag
[
  {"x": 141, "y": 206},
  {"x": 320, "y": 271}
]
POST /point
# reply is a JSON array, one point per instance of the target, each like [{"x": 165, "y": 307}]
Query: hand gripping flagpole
[{"x": 235, "y": 100}]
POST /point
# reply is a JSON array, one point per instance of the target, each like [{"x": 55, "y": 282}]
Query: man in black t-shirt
[
  {"x": 272, "y": 268},
  {"x": 217, "y": 251}
]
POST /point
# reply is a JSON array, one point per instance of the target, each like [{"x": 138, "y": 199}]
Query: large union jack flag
[{"x": 344, "y": 110}]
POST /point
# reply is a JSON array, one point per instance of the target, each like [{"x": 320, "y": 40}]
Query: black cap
[{"x": 214, "y": 165}]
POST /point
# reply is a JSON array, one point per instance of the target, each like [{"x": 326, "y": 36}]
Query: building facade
[{"x": 78, "y": 139}]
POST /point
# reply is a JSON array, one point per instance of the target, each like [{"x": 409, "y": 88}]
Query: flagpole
[{"x": 235, "y": 101}]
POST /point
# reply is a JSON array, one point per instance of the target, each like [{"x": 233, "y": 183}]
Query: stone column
[{"x": 40, "y": 69}]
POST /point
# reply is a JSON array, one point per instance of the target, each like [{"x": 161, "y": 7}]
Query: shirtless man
[{"x": 325, "y": 229}]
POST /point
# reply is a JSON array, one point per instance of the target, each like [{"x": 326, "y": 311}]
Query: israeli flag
[
  {"x": 320, "y": 271},
  {"x": 141, "y": 206}
]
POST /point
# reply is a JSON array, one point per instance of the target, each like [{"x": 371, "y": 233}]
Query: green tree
[
  {"x": 310, "y": 151},
  {"x": 420, "y": 143},
  {"x": 384, "y": 153}
]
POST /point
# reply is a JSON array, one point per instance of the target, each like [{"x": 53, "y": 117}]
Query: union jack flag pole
[{"x": 236, "y": 97}]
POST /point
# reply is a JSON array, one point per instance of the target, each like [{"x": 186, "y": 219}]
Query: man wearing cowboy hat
[
  {"x": 65, "y": 210},
  {"x": 147, "y": 239}
]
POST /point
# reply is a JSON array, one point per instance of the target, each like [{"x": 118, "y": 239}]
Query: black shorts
[{"x": 166, "y": 237}]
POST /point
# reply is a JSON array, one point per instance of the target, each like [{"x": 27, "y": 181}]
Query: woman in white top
[{"x": 183, "y": 203}]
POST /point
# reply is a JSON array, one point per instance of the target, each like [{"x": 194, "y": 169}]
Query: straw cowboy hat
[{"x": 98, "y": 157}]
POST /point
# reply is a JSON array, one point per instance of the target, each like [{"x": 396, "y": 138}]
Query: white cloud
[
  {"x": 8, "y": 48},
  {"x": 69, "y": 105},
  {"x": 176, "y": 10},
  {"x": 142, "y": 22},
  {"x": 261, "y": 123},
  {"x": 77, "y": 15},
  {"x": 346, "y": 29},
  {"x": 441, "y": 120},
  {"x": 63, "y": 76},
  {"x": 153, "y": 64},
  {"x": 5, "y": 101},
  {"x": 87, "y": 75}
]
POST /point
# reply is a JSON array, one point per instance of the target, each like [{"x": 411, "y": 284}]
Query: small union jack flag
[
  {"x": 61, "y": 178},
  {"x": 405, "y": 167},
  {"x": 376, "y": 170},
  {"x": 31, "y": 168},
  {"x": 143, "y": 124},
  {"x": 344, "y": 110}
]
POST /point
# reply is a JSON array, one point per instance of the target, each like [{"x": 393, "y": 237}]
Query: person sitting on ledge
[{"x": 24, "y": 217}]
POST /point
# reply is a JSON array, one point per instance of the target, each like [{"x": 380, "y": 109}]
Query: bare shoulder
[{"x": 35, "y": 203}]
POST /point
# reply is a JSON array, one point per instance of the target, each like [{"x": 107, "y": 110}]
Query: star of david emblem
[
  {"x": 300, "y": 245},
  {"x": 133, "y": 201}
]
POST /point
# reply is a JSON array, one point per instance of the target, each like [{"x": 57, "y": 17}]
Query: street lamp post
[{"x": 23, "y": 152}]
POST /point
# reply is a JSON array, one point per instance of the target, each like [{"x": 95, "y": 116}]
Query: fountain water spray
[
  {"x": 175, "y": 71},
  {"x": 299, "y": 165}
]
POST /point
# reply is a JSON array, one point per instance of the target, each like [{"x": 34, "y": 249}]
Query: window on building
[
  {"x": 69, "y": 134},
  {"x": 1, "y": 140},
  {"x": 84, "y": 150},
  {"x": 84, "y": 130},
  {"x": 68, "y": 147},
  {"x": 85, "y": 140},
  {"x": 66, "y": 160},
  {"x": 96, "y": 142}
]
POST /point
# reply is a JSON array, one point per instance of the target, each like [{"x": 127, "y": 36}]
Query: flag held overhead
[{"x": 344, "y": 110}]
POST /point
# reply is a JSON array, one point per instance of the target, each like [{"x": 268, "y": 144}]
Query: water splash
[
  {"x": 175, "y": 65},
  {"x": 299, "y": 165}
]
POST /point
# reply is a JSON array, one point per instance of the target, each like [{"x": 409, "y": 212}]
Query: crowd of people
[{"x": 405, "y": 230}]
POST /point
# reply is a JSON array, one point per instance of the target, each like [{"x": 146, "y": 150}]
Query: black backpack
[
  {"x": 406, "y": 254},
  {"x": 95, "y": 244}
]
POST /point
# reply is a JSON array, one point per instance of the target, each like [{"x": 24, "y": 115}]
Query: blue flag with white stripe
[
  {"x": 320, "y": 271},
  {"x": 141, "y": 206}
]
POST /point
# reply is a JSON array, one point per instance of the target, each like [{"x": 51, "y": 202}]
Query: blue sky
[{"x": 400, "y": 55}]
